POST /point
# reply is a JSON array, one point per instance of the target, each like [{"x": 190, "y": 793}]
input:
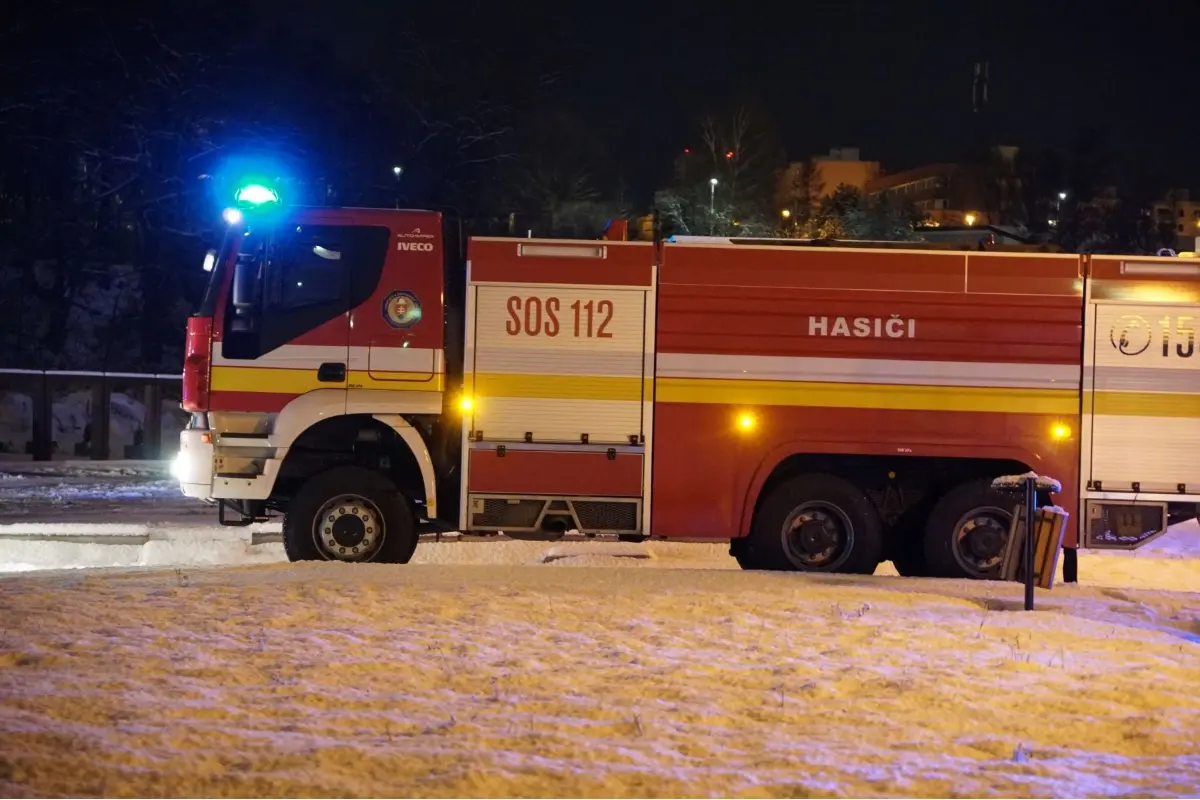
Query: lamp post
[
  {"x": 712, "y": 204},
  {"x": 397, "y": 171}
]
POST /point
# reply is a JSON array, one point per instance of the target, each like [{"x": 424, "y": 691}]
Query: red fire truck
[{"x": 372, "y": 377}]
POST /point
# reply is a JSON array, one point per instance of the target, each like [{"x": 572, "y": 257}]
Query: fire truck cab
[{"x": 371, "y": 377}]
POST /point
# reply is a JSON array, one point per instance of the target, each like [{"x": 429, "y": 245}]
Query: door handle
[{"x": 331, "y": 372}]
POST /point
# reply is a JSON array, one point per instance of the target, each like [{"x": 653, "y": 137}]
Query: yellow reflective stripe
[
  {"x": 1062, "y": 402},
  {"x": 300, "y": 381},
  {"x": 558, "y": 387},
  {"x": 1059, "y": 402},
  {"x": 1146, "y": 404}
]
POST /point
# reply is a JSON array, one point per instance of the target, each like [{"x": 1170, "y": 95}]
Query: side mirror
[{"x": 243, "y": 296}]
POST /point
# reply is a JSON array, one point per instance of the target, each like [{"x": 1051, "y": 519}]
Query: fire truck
[{"x": 373, "y": 378}]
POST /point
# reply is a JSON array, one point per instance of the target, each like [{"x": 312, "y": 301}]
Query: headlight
[{"x": 177, "y": 466}]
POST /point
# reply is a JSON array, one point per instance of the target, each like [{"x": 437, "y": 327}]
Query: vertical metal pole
[
  {"x": 152, "y": 420},
  {"x": 1030, "y": 535},
  {"x": 43, "y": 422},
  {"x": 1070, "y": 565}
]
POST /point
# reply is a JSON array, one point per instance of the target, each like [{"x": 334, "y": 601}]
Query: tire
[
  {"x": 366, "y": 516},
  {"x": 805, "y": 513},
  {"x": 967, "y": 530}
]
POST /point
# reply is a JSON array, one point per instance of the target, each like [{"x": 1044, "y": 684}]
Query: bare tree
[
  {"x": 727, "y": 183},
  {"x": 744, "y": 152}
]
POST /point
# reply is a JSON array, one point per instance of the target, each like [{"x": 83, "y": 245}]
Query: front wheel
[
  {"x": 349, "y": 514},
  {"x": 814, "y": 523}
]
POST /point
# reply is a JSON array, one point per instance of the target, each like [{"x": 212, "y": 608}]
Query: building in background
[
  {"x": 948, "y": 194},
  {"x": 808, "y": 182},
  {"x": 843, "y": 167},
  {"x": 1179, "y": 214}
]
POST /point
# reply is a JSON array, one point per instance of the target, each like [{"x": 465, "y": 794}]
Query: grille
[
  {"x": 606, "y": 515},
  {"x": 594, "y": 515},
  {"x": 501, "y": 513}
]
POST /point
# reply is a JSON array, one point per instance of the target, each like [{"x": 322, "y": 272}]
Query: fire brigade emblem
[
  {"x": 1130, "y": 335},
  {"x": 402, "y": 309}
]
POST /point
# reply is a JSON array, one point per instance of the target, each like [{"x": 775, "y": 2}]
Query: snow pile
[
  {"x": 42, "y": 546},
  {"x": 1042, "y": 483},
  {"x": 537, "y": 681},
  {"x": 1171, "y": 563}
]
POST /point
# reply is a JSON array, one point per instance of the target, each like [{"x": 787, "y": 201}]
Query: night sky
[{"x": 893, "y": 78}]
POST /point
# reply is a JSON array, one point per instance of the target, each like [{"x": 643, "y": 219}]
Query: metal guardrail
[
  {"x": 41, "y": 384},
  {"x": 70, "y": 373}
]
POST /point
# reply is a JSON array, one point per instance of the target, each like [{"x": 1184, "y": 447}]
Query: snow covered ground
[
  {"x": 529, "y": 669},
  {"x": 466, "y": 681}
]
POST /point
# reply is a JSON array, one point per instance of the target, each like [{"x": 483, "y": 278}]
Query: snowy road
[{"x": 121, "y": 491}]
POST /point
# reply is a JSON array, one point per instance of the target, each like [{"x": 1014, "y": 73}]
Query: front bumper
[{"x": 193, "y": 467}]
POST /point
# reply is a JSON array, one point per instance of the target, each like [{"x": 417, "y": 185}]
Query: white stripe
[
  {"x": 748, "y": 243},
  {"x": 557, "y": 420},
  {"x": 1146, "y": 379},
  {"x": 311, "y": 356},
  {"x": 868, "y": 370},
  {"x": 513, "y": 361}
]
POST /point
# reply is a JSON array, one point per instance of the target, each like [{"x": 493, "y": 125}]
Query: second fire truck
[{"x": 371, "y": 376}]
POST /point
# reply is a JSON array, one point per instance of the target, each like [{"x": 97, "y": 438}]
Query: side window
[
  {"x": 311, "y": 274},
  {"x": 307, "y": 268}
]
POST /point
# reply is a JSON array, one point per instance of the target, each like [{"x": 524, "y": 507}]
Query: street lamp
[
  {"x": 786, "y": 213},
  {"x": 397, "y": 171},
  {"x": 712, "y": 204},
  {"x": 969, "y": 219},
  {"x": 1062, "y": 195}
]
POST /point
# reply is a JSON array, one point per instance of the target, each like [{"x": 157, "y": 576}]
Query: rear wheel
[
  {"x": 349, "y": 514},
  {"x": 967, "y": 532},
  {"x": 814, "y": 523}
]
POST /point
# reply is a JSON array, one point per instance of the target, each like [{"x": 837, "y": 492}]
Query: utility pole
[{"x": 979, "y": 87}]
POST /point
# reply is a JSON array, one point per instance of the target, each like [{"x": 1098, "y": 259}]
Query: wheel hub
[
  {"x": 980, "y": 539},
  {"x": 348, "y": 528},
  {"x": 985, "y": 541},
  {"x": 817, "y": 536},
  {"x": 348, "y": 531}
]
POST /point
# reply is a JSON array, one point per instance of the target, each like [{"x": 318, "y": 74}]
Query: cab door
[
  {"x": 397, "y": 326},
  {"x": 298, "y": 340}
]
